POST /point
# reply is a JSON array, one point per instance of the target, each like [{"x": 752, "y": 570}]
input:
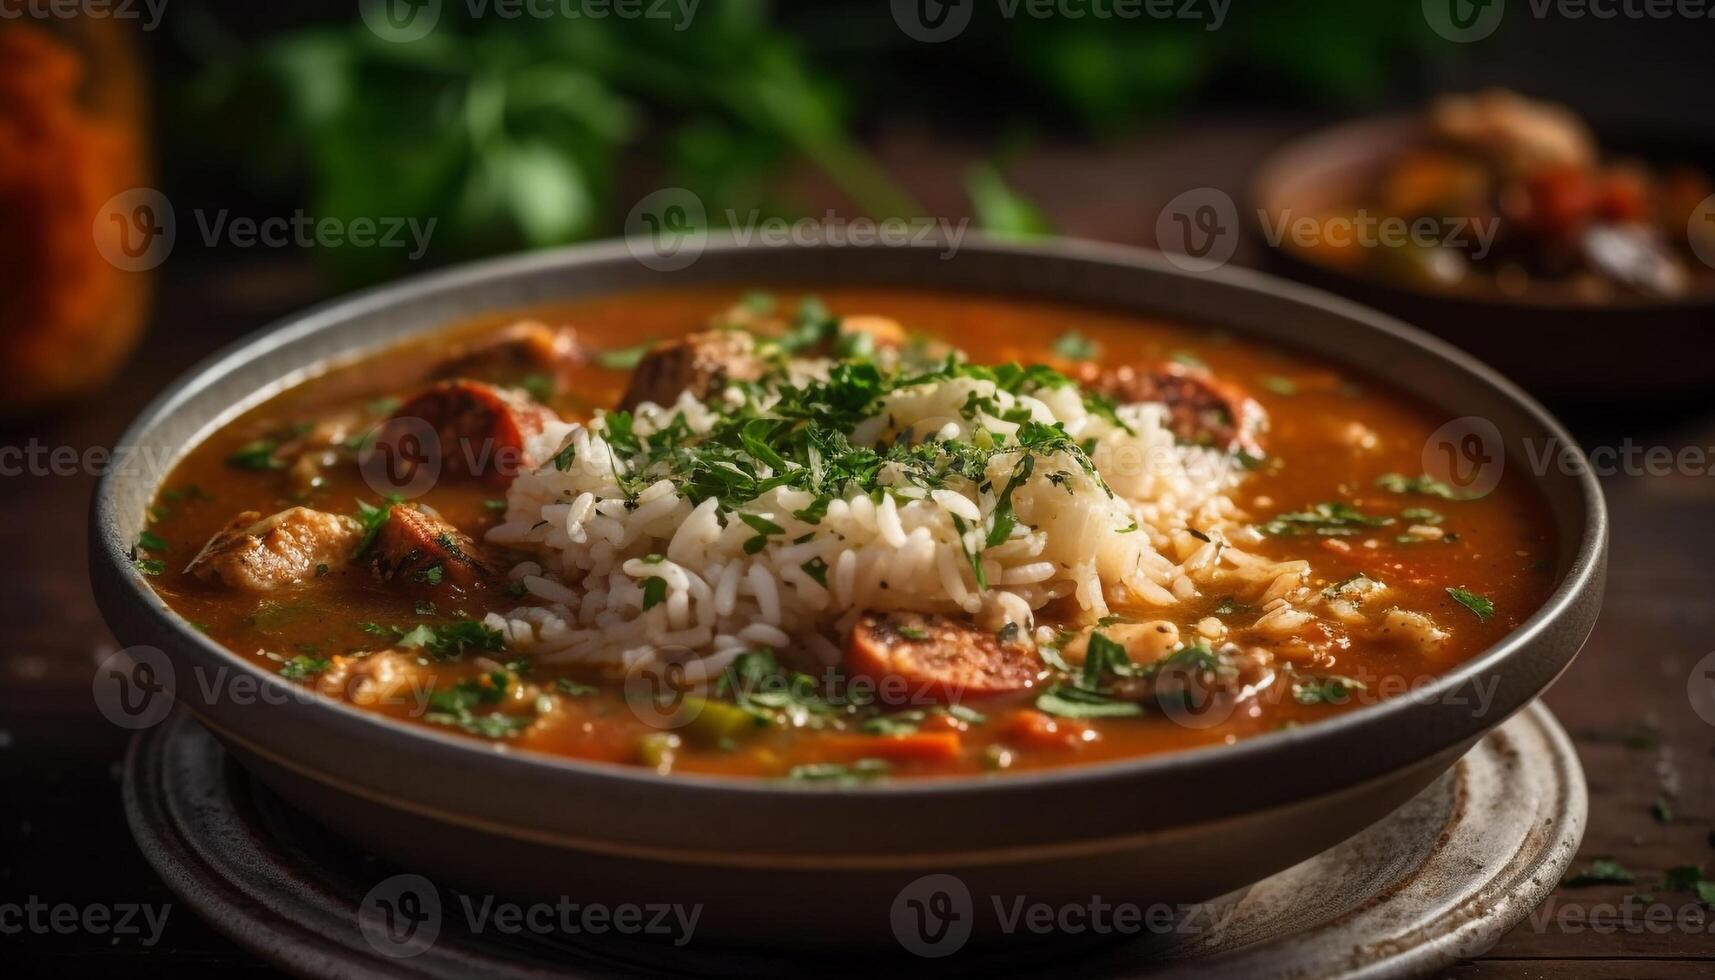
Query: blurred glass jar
[{"x": 72, "y": 142}]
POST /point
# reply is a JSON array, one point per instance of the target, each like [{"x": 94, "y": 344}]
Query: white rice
[{"x": 593, "y": 551}]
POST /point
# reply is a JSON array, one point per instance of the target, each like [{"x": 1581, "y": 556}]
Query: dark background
[{"x": 259, "y": 109}]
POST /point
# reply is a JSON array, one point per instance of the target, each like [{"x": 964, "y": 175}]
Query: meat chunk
[
  {"x": 939, "y": 655},
  {"x": 383, "y": 677},
  {"x": 521, "y": 351},
  {"x": 426, "y": 552},
  {"x": 259, "y": 554},
  {"x": 1202, "y": 409},
  {"x": 703, "y": 364},
  {"x": 468, "y": 428},
  {"x": 1193, "y": 675}
]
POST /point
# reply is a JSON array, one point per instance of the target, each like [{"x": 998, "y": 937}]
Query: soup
[{"x": 841, "y": 536}]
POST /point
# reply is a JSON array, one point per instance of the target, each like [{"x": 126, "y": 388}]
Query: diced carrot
[
  {"x": 1029, "y": 728},
  {"x": 930, "y": 746}
]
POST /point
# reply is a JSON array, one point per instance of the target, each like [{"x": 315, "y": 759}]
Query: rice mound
[{"x": 1151, "y": 526}]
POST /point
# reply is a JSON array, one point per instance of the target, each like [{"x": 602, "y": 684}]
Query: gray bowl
[{"x": 815, "y": 864}]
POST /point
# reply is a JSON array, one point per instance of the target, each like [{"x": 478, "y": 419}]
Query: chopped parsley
[
  {"x": 445, "y": 641},
  {"x": 258, "y": 454},
  {"x": 623, "y": 358},
  {"x": 1481, "y": 606},
  {"x": 371, "y": 518},
  {"x": 1425, "y": 485},
  {"x": 1332, "y": 519},
  {"x": 458, "y": 707},
  {"x": 1329, "y": 689},
  {"x": 1074, "y": 346},
  {"x": 301, "y": 666},
  {"x": 1280, "y": 385},
  {"x": 1602, "y": 871}
]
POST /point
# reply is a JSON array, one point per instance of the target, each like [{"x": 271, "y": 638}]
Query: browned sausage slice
[
  {"x": 469, "y": 428},
  {"x": 516, "y": 353},
  {"x": 1202, "y": 409},
  {"x": 703, "y": 364},
  {"x": 258, "y": 554},
  {"x": 423, "y": 551},
  {"x": 939, "y": 655}
]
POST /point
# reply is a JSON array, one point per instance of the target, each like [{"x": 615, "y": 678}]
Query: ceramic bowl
[
  {"x": 1558, "y": 345},
  {"x": 787, "y": 863}
]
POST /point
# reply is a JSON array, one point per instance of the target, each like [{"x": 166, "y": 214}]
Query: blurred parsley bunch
[{"x": 514, "y": 132}]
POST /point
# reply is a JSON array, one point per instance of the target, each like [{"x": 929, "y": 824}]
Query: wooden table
[{"x": 63, "y": 837}]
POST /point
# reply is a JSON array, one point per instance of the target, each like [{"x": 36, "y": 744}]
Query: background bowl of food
[
  {"x": 1186, "y": 603},
  {"x": 1508, "y": 227}
]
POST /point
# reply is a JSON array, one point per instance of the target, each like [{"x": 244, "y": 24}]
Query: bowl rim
[
  {"x": 1288, "y": 160},
  {"x": 1583, "y": 567}
]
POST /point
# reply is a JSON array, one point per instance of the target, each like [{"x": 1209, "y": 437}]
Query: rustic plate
[{"x": 1439, "y": 880}]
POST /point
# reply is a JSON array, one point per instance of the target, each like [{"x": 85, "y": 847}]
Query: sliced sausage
[
  {"x": 946, "y": 657},
  {"x": 520, "y": 351},
  {"x": 467, "y": 428},
  {"x": 428, "y": 553},
  {"x": 1234, "y": 674},
  {"x": 1202, "y": 409},
  {"x": 259, "y": 554},
  {"x": 703, "y": 364}
]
